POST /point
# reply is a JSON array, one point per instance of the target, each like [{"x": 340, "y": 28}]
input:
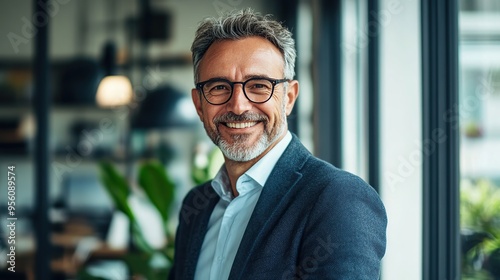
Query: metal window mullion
[
  {"x": 328, "y": 89},
  {"x": 373, "y": 99},
  {"x": 441, "y": 254},
  {"x": 42, "y": 109}
]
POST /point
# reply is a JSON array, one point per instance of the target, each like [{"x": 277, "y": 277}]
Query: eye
[
  {"x": 259, "y": 86},
  {"x": 219, "y": 87}
]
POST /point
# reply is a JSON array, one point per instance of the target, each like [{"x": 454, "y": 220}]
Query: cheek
[
  {"x": 209, "y": 116},
  {"x": 274, "y": 114},
  {"x": 276, "y": 107}
]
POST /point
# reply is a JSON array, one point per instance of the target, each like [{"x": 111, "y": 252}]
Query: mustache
[{"x": 245, "y": 117}]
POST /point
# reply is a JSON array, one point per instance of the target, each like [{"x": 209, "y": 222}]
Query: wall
[{"x": 401, "y": 170}]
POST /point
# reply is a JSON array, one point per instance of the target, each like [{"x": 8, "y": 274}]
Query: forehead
[{"x": 240, "y": 58}]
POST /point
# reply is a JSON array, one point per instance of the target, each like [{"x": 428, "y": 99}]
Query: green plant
[
  {"x": 205, "y": 164},
  {"x": 480, "y": 221},
  {"x": 143, "y": 260}
]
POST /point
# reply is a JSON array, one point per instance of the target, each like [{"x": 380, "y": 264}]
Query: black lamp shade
[{"x": 79, "y": 81}]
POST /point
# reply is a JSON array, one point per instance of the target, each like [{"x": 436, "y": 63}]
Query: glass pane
[
  {"x": 304, "y": 42},
  {"x": 400, "y": 136},
  {"x": 479, "y": 118},
  {"x": 354, "y": 52}
]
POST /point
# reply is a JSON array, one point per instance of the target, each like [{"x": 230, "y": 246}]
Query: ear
[
  {"x": 196, "y": 96},
  {"x": 291, "y": 95}
]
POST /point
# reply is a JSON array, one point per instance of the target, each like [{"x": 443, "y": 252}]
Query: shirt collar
[
  {"x": 259, "y": 172},
  {"x": 222, "y": 185}
]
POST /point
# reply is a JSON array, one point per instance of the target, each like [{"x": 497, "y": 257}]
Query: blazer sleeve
[{"x": 345, "y": 233}]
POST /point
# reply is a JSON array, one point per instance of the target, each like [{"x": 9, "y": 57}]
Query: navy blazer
[{"x": 312, "y": 221}]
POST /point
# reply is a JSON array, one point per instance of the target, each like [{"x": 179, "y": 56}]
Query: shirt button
[{"x": 219, "y": 258}]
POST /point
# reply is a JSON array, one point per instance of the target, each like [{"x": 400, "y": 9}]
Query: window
[{"x": 479, "y": 119}]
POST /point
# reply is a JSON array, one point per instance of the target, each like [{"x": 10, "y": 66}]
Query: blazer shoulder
[
  {"x": 325, "y": 174},
  {"x": 318, "y": 175}
]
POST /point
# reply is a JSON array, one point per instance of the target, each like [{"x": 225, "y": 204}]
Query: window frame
[{"x": 441, "y": 226}]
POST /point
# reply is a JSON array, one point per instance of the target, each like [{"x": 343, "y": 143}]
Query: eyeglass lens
[{"x": 257, "y": 90}]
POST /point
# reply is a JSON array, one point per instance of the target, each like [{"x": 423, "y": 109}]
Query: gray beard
[{"x": 239, "y": 151}]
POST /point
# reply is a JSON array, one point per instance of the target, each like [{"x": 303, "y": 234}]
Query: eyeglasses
[{"x": 219, "y": 91}]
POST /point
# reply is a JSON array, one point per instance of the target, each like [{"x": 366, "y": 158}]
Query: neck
[{"x": 237, "y": 168}]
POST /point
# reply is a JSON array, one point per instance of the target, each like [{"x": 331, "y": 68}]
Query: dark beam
[
  {"x": 287, "y": 12},
  {"x": 42, "y": 109},
  {"x": 441, "y": 228},
  {"x": 327, "y": 84},
  {"x": 373, "y": 96}
]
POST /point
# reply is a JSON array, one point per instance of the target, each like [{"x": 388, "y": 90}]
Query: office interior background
[{"x": 404, "y": 93}]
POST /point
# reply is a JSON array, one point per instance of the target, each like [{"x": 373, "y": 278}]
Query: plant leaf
[
  {"x": 158, "y": 187},
  {"x": 117, "y": 187},
  {"x": 139, "y": 239}
]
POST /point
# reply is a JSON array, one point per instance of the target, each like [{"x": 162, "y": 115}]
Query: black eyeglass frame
[{"x": 274, "y": 82}]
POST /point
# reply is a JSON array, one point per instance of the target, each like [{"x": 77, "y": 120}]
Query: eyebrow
[{"x": 244, "y": 78}]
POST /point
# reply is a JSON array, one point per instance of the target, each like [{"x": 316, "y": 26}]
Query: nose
[{"x": 238, "y": 103}]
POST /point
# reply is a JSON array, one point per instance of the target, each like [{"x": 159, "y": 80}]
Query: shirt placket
[{"x": 224, "y": 236}]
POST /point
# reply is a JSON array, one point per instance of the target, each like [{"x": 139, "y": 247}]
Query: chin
[{"x": 243, "y": 153}]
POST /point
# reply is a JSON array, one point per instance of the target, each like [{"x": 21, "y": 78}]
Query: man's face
[{"x": 244, "y": 130}]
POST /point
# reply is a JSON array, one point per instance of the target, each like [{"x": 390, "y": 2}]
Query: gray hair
[{"x": 239, "y": 25}]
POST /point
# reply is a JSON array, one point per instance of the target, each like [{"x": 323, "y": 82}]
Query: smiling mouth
[{"x": 240, "y": 124}]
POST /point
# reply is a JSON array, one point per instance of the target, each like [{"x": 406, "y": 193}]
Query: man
[{"x": 273, "y": 211}]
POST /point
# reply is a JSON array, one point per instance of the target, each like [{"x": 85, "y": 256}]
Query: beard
[{"x": 239, "y": 148}]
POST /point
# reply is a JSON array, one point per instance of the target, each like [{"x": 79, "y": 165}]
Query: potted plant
[{"x": 480, "y": 220}]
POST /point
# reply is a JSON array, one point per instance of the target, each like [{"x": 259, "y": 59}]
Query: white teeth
[{"x": 241, "y": 125}]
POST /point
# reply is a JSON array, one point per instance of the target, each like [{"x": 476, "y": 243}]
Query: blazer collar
[{"x": 282, "y": 179}]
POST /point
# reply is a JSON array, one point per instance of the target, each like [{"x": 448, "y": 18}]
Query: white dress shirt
[{"x": 230, "y": 216}]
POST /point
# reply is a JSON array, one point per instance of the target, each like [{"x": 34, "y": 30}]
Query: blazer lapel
[
  {"x": 274, "y": 194},
  {"x": 199, "y": 228}
]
